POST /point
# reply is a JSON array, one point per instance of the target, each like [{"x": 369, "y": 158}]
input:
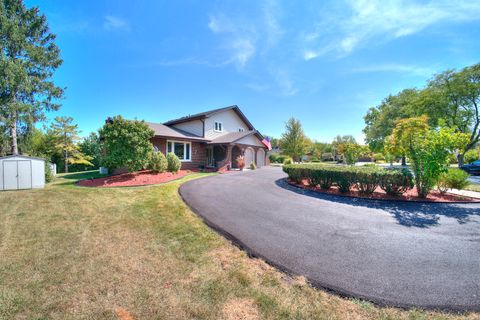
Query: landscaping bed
[
  {"x": 379, "y": 194},
  {"x": 368, "y": 182},
  {"x": 131, "y": 179}
]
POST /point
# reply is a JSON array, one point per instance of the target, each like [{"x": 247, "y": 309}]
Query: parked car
[{"x": 472, "y": 168}]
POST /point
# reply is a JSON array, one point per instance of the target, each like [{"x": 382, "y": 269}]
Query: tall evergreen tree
[
  {"x": 66, "y": 137},
  {"x": 28, "y": 60}
]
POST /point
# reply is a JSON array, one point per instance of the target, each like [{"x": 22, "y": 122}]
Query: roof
[
  {"x": 235, "y": 136},
  {"x": 21, "y": 156},
  {"x": 165, "y": 131},
  {"x": 206, "y": 114}
]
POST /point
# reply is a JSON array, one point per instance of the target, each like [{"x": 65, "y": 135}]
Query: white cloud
[
  {"x": 113, "y": 22},
  {"x": 284, "y": 82},
  {"x": 398, "y": 68},
  {"x": 310, "y": 54},
  {"x": 366, "y": 21}
]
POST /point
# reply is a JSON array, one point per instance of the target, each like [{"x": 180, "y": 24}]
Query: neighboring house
[{"x": 212, "y": 139}]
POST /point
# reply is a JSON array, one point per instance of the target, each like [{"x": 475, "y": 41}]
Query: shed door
[
  {"x": 24, "y": 174},
  {"x": 17, "y": 174},
  {"x": 10, "y": 181}
]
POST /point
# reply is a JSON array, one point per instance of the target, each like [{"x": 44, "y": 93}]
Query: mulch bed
[
  {"x": 131, "y": 179},
  {"x": 379, "y": 194}
]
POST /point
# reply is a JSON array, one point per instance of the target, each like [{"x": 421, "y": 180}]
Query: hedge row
[{"x": 364, "y": 179}]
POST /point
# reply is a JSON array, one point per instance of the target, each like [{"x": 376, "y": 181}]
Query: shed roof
[{"x": 22, "y": 156}]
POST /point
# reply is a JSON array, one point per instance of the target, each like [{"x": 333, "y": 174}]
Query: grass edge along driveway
[{"x": 83, "y": 253}]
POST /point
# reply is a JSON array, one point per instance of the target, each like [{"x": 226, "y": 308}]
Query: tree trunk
[
  {"x": 66, "y": 161},
  {"x": 460, "y": 158},
  {"x": 13, "y": 133},
  {"x": 404, "y": 161}
]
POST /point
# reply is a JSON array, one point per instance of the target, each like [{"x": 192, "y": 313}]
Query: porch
[{"x": 223, "y": 156}]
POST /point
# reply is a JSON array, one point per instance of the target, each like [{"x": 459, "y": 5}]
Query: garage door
[
  {"x": 249, "y": 157},
  {"x": 17, "y": 174},
  {"x": 260, "y": 157}
]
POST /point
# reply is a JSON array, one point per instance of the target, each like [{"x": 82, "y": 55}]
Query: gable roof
[
  {"x": 206, "y": 114},
  {"x": 235, "y": 136},
  {"x": 165, "y": 131}
]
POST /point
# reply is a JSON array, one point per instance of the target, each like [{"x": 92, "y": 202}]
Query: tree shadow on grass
[{"x": 408, "y": 214}]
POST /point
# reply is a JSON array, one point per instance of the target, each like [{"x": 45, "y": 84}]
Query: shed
[{"x": 21, "y": 172}]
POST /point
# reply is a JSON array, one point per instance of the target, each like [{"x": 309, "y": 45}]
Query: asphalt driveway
[{"x": 401, "y": 254}]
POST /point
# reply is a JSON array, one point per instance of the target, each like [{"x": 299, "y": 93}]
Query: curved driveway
[{"x": 401, "y": 254}]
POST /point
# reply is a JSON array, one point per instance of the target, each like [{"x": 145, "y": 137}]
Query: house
[{"x": 212, "y": 139}]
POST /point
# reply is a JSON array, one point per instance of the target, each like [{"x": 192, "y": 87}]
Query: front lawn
[{"x": 69, "y": 252}]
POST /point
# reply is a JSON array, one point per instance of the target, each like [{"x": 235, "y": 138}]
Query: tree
[
  {"x": 28, "y": 60},
  {"x": 294, "y": 142},
  {"x": 351, "y": 152},
  {"x": 339, "y": 141},
  {"x": 428, "y": 149},
  {"x": 450, "y": 99},
  {"x": 92, "y": 147},
  {"x": 126, "y": 143},
  {"x": 457, "y": 103},
  {"x": 65, "y": 135}
]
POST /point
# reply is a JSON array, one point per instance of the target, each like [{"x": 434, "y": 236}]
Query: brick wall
[{"x": 198, "y": 156}]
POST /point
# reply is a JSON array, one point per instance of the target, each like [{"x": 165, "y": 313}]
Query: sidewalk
[{"x": 466, "y": 193}]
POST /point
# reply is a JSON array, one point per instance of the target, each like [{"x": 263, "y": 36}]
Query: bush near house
[
  {"x": 157, "y": 162},
  {"x": 452, "y": 179},
  {"x": 252, "y": 166},
  {"x": 288, "y": 160},
  {"x": 173, "y": 163},
  {"x": 366, "y": 179}
]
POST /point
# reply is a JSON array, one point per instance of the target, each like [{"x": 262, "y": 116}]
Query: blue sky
[{"x": 323, "y": 62}]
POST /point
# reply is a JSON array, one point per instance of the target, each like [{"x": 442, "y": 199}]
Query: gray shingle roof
[
  {"x": 232, "y": 136},
  {"x": 165, "y": 131}
]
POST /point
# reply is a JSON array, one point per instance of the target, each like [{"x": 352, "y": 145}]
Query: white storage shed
[{"x": 21, "y": 172}]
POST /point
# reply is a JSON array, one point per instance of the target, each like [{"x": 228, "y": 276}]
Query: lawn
[
  {"x": 473, "y": 187},
  {"x": 71, "y": 252}
]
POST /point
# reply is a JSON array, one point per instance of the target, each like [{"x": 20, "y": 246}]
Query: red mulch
[
  {"x": 139, "y": 178},
  {"x": 410, "y": 195}
]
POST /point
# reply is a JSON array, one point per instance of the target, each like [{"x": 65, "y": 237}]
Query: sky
[{"x": 323, "y": 62}]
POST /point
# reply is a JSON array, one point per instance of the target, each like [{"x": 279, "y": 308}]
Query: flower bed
[
  {"x": 363, "y": 182},
  {"x": 139, "y": 178}
]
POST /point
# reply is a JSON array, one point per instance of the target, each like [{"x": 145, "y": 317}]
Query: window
[
  {"x": 218, "y": 126},
  {"x": 183, "y": 150},
  {"x": 241, "y": 129}
]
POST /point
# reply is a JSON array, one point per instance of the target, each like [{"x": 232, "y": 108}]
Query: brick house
[{"x": 212, "y": 139}]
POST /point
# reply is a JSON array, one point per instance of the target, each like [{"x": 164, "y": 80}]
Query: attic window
[
  {"x": 218, "y": 126},
  {"x": 241, "y": 129}
]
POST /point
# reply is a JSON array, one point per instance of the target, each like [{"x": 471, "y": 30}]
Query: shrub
[
  {"x": 253, "y": 166},
  {"x": 470, "y": 156},
  {"x": 126, "y": 142},
  {"x": 273, "y": 158},
  {"x": 240, "y": 162},
  {"x": 366, "y": 179},
  {"x": 379, "y": 157},
  {"x": 452, "y": 179},
  {"x": 48, "y": 172},
  {"x": 287, "y": 161},
  {"x": 396, "y": 182},
  {"x": 157, "y": 162},
  {"x": 173, "y": 163}
]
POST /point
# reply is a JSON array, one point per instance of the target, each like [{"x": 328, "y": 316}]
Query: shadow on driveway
[{"x": 408, "y": 214}]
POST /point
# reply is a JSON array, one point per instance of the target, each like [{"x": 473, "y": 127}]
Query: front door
[{"x": 210, "y": 160}]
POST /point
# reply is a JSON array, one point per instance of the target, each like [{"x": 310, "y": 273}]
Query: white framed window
[
  {"x": 241, "y": 129},
  {"x": 218, "y": 127},
  {"x": 182, "y": 149}
]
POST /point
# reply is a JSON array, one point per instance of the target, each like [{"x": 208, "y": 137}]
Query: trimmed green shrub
[
  {"x": 365, "y": 179},
  {"x": 398, "y": 181},
  {"x": 173, "y": 163},
  {"x": 379, "y": 157},
  {"x": 452, "y": 179},
  {"x": 157, "y": 162},
  {"x": 252, "y": 166},
  {"x": 288, "y": 161},
  {"x": 277, "y": 158},
  {"x": 48, "y": 172}
]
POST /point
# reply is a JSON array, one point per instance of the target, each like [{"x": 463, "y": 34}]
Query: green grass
[{"x": 70, "y": 252}]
